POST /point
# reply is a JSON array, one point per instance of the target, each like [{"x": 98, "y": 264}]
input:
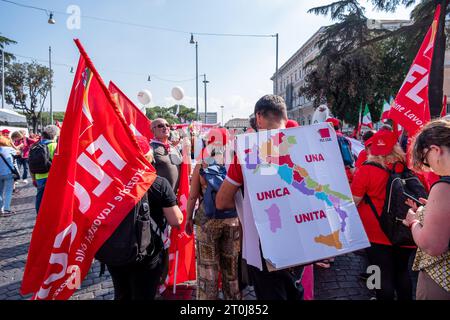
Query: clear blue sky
[{"x": 239, "y": 69}]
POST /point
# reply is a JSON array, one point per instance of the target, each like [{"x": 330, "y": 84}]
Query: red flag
[
  {"x": 97, "y": 176},
  {"x": 411, "y": 106},
  {"x": 444, "y": 107},
  {"x": 182, "y": 246},
  {"x": 138, "y": 122}
]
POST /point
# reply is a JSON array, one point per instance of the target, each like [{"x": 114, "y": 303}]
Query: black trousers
[
  {"x": 277, "y": 285},
  {"x": 138, "y": 281},
  {"x": 395, "y": 274}
]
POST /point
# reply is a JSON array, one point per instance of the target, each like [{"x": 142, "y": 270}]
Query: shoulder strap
[
  {"x": 9, "y": 166},
  {"x": 372, "y": 206},
  {"x": 375, "y": 164},
  {"x": 444, "y": 179}
]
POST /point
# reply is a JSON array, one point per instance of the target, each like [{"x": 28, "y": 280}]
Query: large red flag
[
  {"x": 411, "y": 106},
  {"x": 182, "y": 246},
  {"x": 138, "y": 122},
  {"x": 97, "y": 176}
]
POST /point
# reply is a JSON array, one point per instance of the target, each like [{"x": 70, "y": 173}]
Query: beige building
[
  {"x": 239, "y": 124},
  {"x": 291, "y": 75}
]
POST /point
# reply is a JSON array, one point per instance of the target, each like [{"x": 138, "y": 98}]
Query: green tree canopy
[
  {"x": 26, "y": 89},
  {"x": 173, "y": 114},
  {"x": 358, "y": 64}
]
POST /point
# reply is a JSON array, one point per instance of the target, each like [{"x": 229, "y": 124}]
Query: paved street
[{"x": 340, "y": 282}]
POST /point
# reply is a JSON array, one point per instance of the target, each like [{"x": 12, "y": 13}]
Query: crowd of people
[{"x": 212, "y": 212}]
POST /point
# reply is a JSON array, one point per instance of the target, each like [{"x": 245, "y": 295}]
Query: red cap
[
  {"x": 335, "y": 122},
  {"x": 382, "y": 143},
  {"x": 219, "y": 134},
  {"x": 5, "y": 131},
  {"x": 292, "y": 124},
  {"x": 143, "y": 144}
]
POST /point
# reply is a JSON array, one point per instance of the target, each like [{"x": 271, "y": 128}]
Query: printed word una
[{"x": 314, "y": 157}]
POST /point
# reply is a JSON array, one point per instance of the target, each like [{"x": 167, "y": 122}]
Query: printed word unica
[{"x": 277, "y": 193}]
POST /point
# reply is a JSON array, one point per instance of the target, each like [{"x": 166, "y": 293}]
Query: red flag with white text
[
  {"x": 135, "y": 118},
  {"x": 181, "y": 244},
  {"x": 411, "y": 106},
  {"x": 97, "y": 176}
]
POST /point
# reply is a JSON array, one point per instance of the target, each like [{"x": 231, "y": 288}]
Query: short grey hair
[{"x": 50, "y": 132}]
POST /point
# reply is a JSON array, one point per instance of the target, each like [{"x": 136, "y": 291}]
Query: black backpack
[
  {"x": 39, "y": 158},
  {"x": 137, "y": 237},
  {"x": 395, "y": 208}
]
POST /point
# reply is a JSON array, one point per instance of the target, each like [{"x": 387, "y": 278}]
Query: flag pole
[{"x": 175, "y": 273}]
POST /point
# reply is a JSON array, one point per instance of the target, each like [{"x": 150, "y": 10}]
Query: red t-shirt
[
  {"x": 362, "y": 157},
  {"x": 372, "y": 181},
  {"x": 234, "y": 173}
]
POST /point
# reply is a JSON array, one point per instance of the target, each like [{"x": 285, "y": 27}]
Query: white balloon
[
  {"x": 144, "y": 96},
  {"x": 177, "y": 93},
  {"x": 321, "y": 114}
]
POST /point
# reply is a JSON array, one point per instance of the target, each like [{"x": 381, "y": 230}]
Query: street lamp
[
  {"x": 196, "y": 75},
  {"x": 50, "y": 19},
  {"x": 3, "y": 78},
  {"x": 51, "y": 83},
  {"x": 205, "y": 82}
]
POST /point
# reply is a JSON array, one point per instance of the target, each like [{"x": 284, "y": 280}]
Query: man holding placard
[{"x": 297, "y": 206}]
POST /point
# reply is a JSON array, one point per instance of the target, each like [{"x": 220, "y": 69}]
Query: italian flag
[
  {"x": 366, "y": 118},
  {"x": 385, "y": 112}
]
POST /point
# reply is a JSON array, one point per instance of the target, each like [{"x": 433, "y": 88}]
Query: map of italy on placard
[{"x": 300, "y": 193}]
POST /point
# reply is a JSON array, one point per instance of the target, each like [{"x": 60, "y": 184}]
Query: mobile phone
[{"x": 413, "y": 199}]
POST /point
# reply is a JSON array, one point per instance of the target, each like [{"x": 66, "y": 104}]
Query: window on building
[{"x": 309, "y": 119}]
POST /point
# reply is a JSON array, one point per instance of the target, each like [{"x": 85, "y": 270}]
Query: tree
[
  {"x": 393, "y": 53},
  {"x": 26, "y": 88},
  {"x": 57, "y": 116},
  {"x": 184, "y": 114},
  {"x": 4, "y": 41},
  {"x": 161, "y": 112}
]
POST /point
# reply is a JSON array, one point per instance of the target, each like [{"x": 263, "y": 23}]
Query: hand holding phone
[{"x": 415, "y": 200}]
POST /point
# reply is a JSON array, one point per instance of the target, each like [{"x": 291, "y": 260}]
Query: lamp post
[
  {"x": 196, "y": 75},
  {"x": 221, "y": 107},
  {"x": 51, "y": 20},
  {"x": 3, "y": 78},
  {"x": 51, "y": 83},
  {"x": 276, "y": 65},
  {"x": 205, "y": 83}
]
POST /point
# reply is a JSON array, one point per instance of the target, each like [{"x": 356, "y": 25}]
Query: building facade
[
  {"x": 239, "y": 124},
  {"x": 211, "y": 117},
  {"x": 291, "y": 75}
]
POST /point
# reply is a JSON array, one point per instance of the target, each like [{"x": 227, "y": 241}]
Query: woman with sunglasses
[{"x": 430, "y": 224}]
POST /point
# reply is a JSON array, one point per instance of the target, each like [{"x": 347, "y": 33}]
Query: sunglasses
[
  {"x": 162, "y": 125},
  {"x": 424, "y": 158}
]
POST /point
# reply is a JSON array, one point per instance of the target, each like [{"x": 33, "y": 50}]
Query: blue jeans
[
  {"x": 21, "y": 162},
  {"x": 6, "y": 191},
  {"x": 40, "y": 192}
]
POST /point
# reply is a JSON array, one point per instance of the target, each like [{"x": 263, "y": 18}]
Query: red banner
[
  {"x": 411, "y": 106},
  {"x": 137, "y": 121},
  {"x": 182, "y": 246},
  {"x": 97, "y": 176}
]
